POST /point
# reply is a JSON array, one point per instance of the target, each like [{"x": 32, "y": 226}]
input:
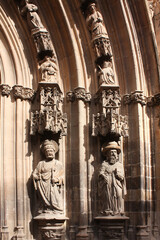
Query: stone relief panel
[{"x": 48, "y": 70}]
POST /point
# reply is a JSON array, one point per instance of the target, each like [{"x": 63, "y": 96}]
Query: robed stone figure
[
  {"x": 48, "y": 179},
  {"x": 111, "y": 184}
]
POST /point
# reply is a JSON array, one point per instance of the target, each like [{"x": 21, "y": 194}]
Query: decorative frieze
[
  {"x": 5, "y": 89},
  {"x": 135, "y": 97},
  {"x": 79, "y": 93},
  {"x": 23, "y": 93}
]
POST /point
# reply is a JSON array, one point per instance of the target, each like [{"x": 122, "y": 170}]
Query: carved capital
[
  {"x": 5, "y": 89},
  {"x": 23, "y": 93},
  {"x": 79, "y": 94},
  {"x": 135, "y": 97},
  {"x": 153, "y": 100}
]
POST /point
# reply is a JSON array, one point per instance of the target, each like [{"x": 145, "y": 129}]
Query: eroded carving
[
  {"x": 33, "y": 19},
  {"x": 135, "y": 97},
  {"x": 48, "y": 180},
  {"x": 79, "y": 94},
  {"x": 111, "y": 184},
  {"x": 106, "y": 74},
  {"x": 111, "y": 122},
  {"x": 5, "y": 89},
  {"x": 50, "y": 117},
  {"x": 98, "y": 31},
  {"x": 23, "y": 93},
  {"x": 40, "y": 34},
  {"x": 48, "y": 70}
]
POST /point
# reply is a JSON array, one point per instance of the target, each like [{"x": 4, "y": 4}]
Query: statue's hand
[
  {"x": 54, "y": 180},
  {"x": 37, "y": 177}
]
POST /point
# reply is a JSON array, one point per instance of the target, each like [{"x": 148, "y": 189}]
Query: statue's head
[
  {"x": 111, "y": 151},
  {"x": 49, "y": 148},
  {"x": 91, "y": 7}
]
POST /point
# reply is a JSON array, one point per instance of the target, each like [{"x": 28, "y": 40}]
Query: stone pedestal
[
  {"x": 51, "y": 227},
  {"x": 142, "y": 233},
  {"x": 4, "y": 234},
  {"x": 82, "y": 233},
  {"x": 113, "y": 227}
]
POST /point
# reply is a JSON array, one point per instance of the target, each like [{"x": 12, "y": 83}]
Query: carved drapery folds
[
  {"x": 48, "y": 120},
  {"x": 39, "y": 33},
  {"x": 100, "y": 42}
]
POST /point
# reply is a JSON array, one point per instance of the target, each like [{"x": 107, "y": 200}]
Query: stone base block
[
  {"x": 113, "y": 227},
  {"x": 82, "y": 233},
  {"x": 142, "y": 233},
  {"x": 50, "y": 226}
]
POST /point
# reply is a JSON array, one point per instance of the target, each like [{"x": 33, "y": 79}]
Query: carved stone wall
[{"x": 83, "y": 75}]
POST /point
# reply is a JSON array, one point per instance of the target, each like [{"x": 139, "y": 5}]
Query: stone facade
[{"x": 80, "y": 145}]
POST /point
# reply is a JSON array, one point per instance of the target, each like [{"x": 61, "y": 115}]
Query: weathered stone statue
[
  {"x": 33, "y": 18},
  {"x": 95, "y": 22},
  {"x": 48, "y": 179},
  {"x": 111, "y": 185},
  {"x": 106, "y": 74},
  {"x": 48, "y": 70}
]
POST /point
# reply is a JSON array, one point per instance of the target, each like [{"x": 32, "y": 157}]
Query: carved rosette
[
  {"x": 5, "y": 89},
  {"x": 135, "y": 97},
  {"x": 79, "y": 94},
  {"x": 23, "y": 93}
]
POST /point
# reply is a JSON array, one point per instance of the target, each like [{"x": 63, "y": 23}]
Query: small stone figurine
[
  {"x": 111, "y": 185},
  {"x": 48, "y": 179}
]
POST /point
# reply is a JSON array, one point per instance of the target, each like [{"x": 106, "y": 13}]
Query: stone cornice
[
  {"x": 79, "y": 93},
  {"x": 18, "y": 91},
  {"x": 135, "y": 97}
]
